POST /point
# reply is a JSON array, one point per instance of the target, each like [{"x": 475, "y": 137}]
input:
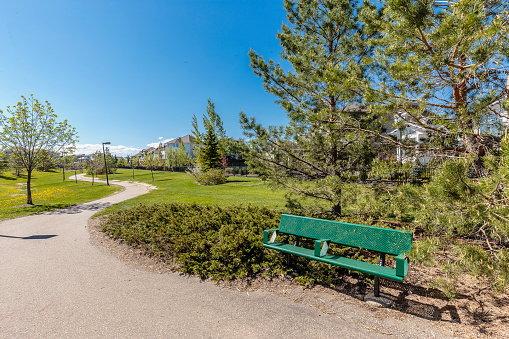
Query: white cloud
[
  {"x": 120, "y": 150},
  {"x": 156, "y": 144},
  {"x": 160, "y": 138}
]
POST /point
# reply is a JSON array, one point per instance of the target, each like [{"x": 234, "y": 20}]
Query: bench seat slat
[{"x": 356, "y": 265}]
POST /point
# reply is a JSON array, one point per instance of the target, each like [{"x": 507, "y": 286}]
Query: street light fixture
[{"x": 105, "y": 164}]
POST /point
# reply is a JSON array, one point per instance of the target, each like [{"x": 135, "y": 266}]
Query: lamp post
[{"x": 105, "y": 164}]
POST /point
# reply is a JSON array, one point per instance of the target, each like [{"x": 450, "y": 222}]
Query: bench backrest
[{"x": 383, "y": 240}]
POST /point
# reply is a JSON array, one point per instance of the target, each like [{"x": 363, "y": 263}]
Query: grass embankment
[
  {"x": 181, "y": 187},
  {"x": 49, "y": 192}
]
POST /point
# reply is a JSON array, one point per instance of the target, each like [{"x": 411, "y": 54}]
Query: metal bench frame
[{"x": 378, "y": 239}]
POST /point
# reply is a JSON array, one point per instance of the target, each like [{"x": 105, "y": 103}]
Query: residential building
[
  {"x": 144, "y": 152},
  {"x": 188, "y": 142}
]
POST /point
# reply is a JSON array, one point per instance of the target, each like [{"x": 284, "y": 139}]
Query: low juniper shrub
[
  {"x": 221, "y": 243},
  {"x": 209, "y": 241}
]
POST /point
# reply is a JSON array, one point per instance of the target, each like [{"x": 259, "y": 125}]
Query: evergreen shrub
[
  {"x": 208, "y": 241},
  {"x": 221, "y": 243},
  {"x": 215, "y": 176}
]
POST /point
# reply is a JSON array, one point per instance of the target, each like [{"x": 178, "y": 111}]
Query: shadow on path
[
  {"x": 32, "y": 237},
  {"x": 94, "y": 206}
]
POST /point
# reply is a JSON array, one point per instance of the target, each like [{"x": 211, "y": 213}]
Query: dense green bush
[
  {"x": 222, "y": 243},
  {"x": 208, "y": 241},
  {"x": 215, "y": 176}
]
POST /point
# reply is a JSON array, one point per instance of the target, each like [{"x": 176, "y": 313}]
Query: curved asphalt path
[{"x": 55, "y": 284}]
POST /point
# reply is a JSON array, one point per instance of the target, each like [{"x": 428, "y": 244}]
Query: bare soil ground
[{"x": 475, "y": 313}]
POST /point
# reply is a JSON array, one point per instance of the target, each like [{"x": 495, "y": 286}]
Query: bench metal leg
[
  {"x": 288, "y": 255},
  {"x": 376, "y": 291}
]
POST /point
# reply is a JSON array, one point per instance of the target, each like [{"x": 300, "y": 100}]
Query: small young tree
[
  {"x": 182, "y": 158},
  {"x": 130, "y": 161},
  {"x": 4, "y": 162},
  {"x": 48, "y": 162},
  {"x": 170, "y": 158},
  {"x": 32, "y": 128},
  {"x": 150, "y": 161},
  {"x": 160, "y": 155},
  {"x": 136, "y": 161},
  {"x": 209, "y": 155},
  {"x": 65, "y": 160},
  {"x": 94, "y": 164},
  {"x": 211, "y": 143},
  {"x": 74, "y": 165},
  {"x": 16, "y": 164}
]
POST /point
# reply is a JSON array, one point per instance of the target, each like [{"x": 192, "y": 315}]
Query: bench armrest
[
  {"x": 401, "y": 265},
  {"x": 266, "y": 236},
  {"x": 320, "y": 250}
]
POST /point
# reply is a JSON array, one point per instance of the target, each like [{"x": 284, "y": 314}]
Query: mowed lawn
[
  {"x": 181, "y": 187},
  {"x": 49, "y": 192}
]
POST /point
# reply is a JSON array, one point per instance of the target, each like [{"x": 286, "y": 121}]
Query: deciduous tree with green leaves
[
  {"x": 16, "y": 164},
  {"x": 176, "y": 156},
  {"x": 316, "y": 153},
  {"x": 49, "y": 161},
  {"x": 30, "y": 129},
  {"x": 94, "y": 164},
  {"x": 150, "y": 161}
]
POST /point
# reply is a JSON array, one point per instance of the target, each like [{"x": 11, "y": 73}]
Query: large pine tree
[
  {"x": 315, "y": 154},
  {"x": 444, "y": 66}
]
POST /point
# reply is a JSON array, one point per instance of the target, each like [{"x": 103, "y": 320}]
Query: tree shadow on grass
[
  {"x": 40, "y": 207},
  {"x": 8, "y": 178}
]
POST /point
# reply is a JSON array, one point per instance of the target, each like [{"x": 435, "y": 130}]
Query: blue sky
[{"x": 134, "y": 72}]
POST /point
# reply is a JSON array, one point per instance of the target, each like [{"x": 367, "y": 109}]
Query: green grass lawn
[
  {"x": 49, "y": 192},
  {"x": 180, "y": 187}
]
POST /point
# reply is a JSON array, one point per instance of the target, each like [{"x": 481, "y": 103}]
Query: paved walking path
[{"x": 55, "y": 284}]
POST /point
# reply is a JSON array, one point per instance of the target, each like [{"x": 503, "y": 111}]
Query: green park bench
[{"x": 381, "y": 240}]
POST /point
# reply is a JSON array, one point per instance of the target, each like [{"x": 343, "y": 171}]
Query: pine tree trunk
[
  {"x": 473, "y": 146},
  {"x": 336, "y": 209},
  {"x": 471, "y": 141}
]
